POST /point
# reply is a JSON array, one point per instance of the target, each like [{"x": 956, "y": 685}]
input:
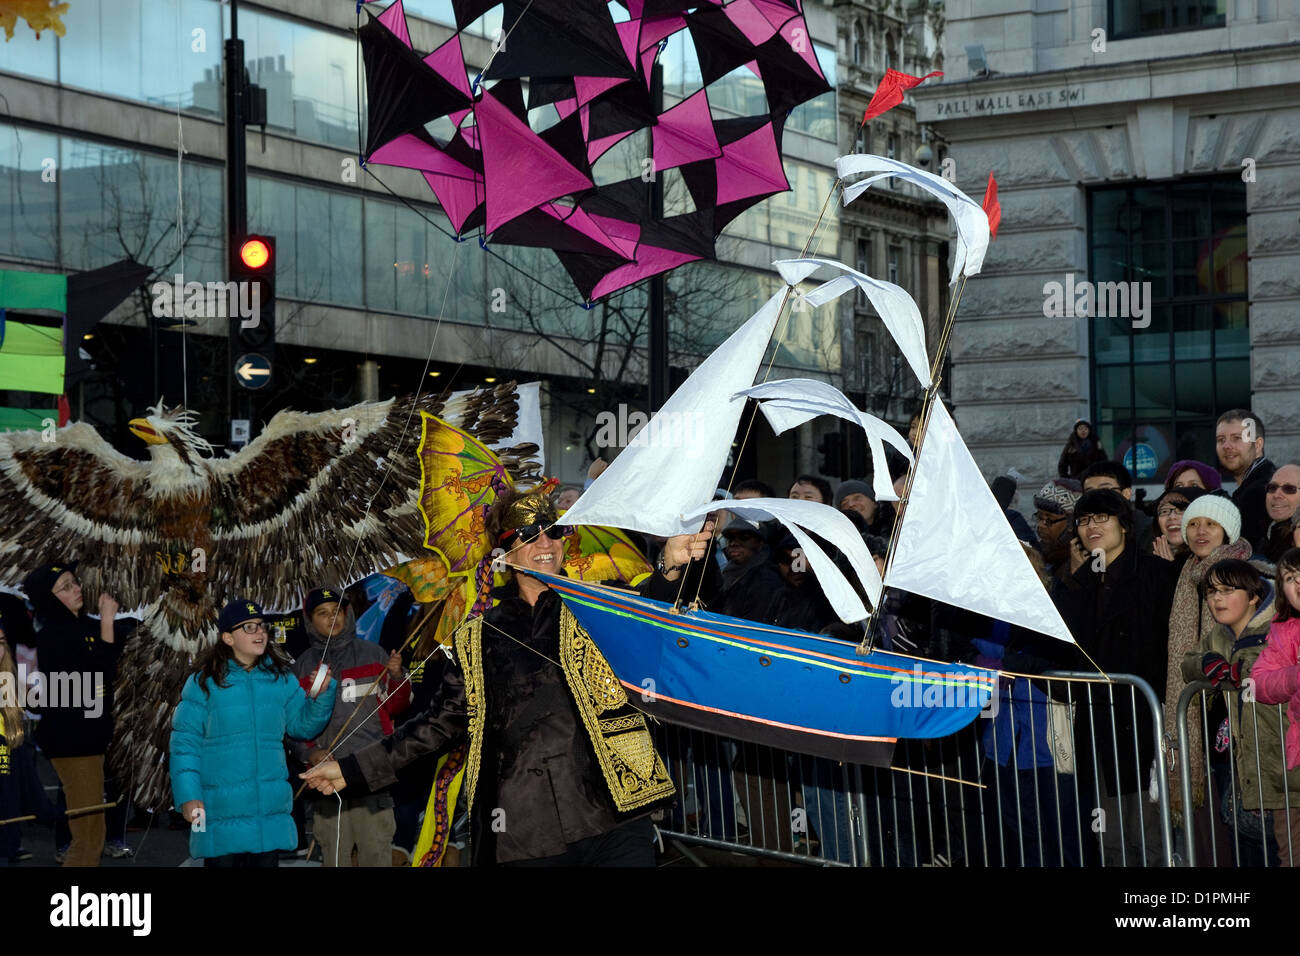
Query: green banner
[
  {"x": 33, "y": 290},
  {"x": 31, "y": 359},
  {"x": 26, "y": 419}
]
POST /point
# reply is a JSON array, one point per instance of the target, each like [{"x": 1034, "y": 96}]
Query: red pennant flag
[
  {"x": 992, "y": 208},
  {"x": 65, "y": 411},
  {"x": 890, "y": 91}
]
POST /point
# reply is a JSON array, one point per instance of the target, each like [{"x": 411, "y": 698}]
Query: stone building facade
[{"x": 1127, "y": 150}]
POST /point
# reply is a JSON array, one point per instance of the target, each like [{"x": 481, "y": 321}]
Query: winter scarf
[{"x": 1190, "y": 624}]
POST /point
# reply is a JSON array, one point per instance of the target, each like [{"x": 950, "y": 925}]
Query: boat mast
[{"x": 927, "y": 405}]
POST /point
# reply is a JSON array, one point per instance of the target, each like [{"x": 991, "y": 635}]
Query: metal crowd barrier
[
  {"x": 1223, "y": 828},
  {"x": 1061, "y": 771}
]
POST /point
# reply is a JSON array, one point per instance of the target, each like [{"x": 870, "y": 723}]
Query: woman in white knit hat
[{"x": 1212, "y": 531}]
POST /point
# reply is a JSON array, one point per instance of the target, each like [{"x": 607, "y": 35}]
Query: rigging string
[
  {"x": 180, "y": 235},
  {"x": 406, "y": 425},
  {"x": 536, "y": 652},
  {"x": 498, "y": 45},
  {"x": 785, "y": 323},
  {"x": 428, "y": 358},
  {"x": 488, "y": 249},
  {"x": 420, "y": 624}
]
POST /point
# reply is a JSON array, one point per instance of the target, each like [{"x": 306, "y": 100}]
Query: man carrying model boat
[{"x": 561, "y": 770}]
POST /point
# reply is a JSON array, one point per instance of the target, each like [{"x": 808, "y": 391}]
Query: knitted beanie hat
[
  {"x": 853, "y": 487},
  {"x": 1209, "y": 475},
  {"x": 1059, "y": 496},
  {"x": 1216, "y": 508}
]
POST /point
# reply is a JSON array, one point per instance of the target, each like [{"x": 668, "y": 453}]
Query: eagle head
[{"x": 170, "y": 426}]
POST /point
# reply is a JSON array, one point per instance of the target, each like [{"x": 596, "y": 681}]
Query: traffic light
[
  {"x": 252, "y": 267},
  {"x": 858, "y": 457},
  {"x": 830, "y": 448}
]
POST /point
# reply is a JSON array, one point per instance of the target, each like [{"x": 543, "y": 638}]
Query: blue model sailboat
[{"x": 807, "y": 692}]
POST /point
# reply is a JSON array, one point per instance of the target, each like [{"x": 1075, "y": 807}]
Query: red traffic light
[{"x": 254, "y": 253}]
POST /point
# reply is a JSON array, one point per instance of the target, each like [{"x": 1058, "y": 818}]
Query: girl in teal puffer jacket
[{"x": 229, "y": 777}]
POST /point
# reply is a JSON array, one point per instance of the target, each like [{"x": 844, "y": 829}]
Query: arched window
[
  {"x": 891, "y": 52},
  {"x": 859, "y": 43}
]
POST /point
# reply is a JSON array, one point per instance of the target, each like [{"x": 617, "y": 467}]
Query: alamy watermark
[
  {"x": 179, "y": 299},
  {"x": 1102, "y": 300},
  {"x": 922, "y": 688},
  {"x": 75, "y": 690},
  {"x": 77, "y": 909},
  {"x": 636, "y": 429}
]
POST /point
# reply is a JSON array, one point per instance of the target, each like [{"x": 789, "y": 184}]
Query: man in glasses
[
  {"x": 560, "y": 769},
  {"x": 1053, "y": 508},
  {"x": 1111, "y": 474},
  {"x": 1116, "y": 605},
  {"x": 1281, "y": 500}
]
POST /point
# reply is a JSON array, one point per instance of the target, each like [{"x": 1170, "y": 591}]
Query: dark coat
[
  {"x": 1021, "y": 527},
  {"x": 1276, "y": 541},
  {"x": 750, "y": 596},
  {"x": 1075, "y": 461},
  {"x": 1120, "y": 617},
  {"x": 802, "y": 608},
  {"x": 69, "y": 646},
  {"x": 1249, "y": 499},
  {"x": 531, "y": 724}
]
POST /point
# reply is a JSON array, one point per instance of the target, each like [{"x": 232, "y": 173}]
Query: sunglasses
[
  {"x": 1273, "y": 488},
  {"x": 530, "y": 531}
]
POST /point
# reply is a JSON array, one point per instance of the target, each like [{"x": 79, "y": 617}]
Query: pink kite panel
[
  {"x": 521, "y": 170},
  {"x": 751, "y": 166},
  {"x": 749, "y": 19},
  {"x": 650, "y": 261},
  {"x": 685, "y": 134},
  {"x": 395, "y": 19},
  {"x": 449, "y": 62},
  {"x": 459, "y": 197},
  {"x": 796, "y": 32},
  {"x": 590, "y": 87},
  {"x": 599, "y": 147}
]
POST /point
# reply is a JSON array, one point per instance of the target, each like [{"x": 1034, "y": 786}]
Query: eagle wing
[
  {"x": 330, "y": 497},
  {"x": 70, "y": 495}
]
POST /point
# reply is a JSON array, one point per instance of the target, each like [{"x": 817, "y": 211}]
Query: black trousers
[
  {"x": 244, "y": 860},
  {"x": 630, "y": 844}
]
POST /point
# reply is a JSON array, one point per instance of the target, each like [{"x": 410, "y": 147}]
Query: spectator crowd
[{"x": 1197, "y": 585}]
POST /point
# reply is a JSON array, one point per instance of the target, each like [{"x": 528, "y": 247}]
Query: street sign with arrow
[{"x": 252, "y": 371}]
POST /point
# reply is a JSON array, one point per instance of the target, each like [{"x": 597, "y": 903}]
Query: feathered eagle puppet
[{"x": 322, "y": 498}]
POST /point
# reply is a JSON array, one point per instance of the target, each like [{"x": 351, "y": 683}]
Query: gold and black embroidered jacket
[{"x": 556, "y": 753}]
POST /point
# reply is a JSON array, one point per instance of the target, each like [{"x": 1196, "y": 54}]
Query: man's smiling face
[{"x": 542, "y": 553}]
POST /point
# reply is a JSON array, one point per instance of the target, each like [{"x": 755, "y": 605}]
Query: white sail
[
  {"x": 970, "y": 219},
  {"x": 790, "y": 402},
  {"x": 895, "y": 307},
  {"x": 827, "y": 522},
  {"x": 674, "y": 465},
  {"x": 956, "y": 545}
]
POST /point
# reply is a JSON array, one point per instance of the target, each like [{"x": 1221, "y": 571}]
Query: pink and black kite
[{"x": 495, "y": 173}]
